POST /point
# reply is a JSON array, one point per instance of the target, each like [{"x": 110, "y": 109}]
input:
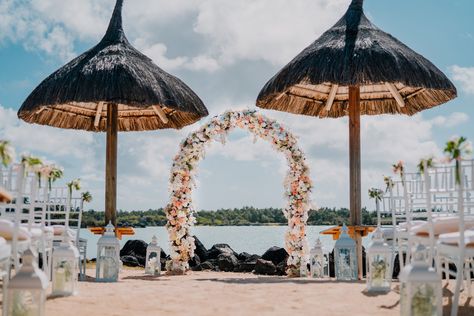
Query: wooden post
[
  {"x": 111, "y": 165},
  {"x": 354, "y": 162}
]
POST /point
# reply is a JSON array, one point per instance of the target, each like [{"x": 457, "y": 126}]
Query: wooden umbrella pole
[
  {"x": 111, "y": 165},
  {"x": 354, "y": 161}
]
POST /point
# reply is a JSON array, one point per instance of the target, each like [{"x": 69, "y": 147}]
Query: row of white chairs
[
  {"x": 432, "y": 208},
  {"x": 38, "y": 216}
]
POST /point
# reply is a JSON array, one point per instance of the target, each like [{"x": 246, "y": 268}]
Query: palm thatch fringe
[
  {"x": 354, "y": 52},
  {"x": 112, "y": 72},
  {"x": 138, "y": 120}
]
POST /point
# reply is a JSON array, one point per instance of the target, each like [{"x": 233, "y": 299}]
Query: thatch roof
[
  {"x": 75, "y": 96},
  {"x": 354, "y": 52}
]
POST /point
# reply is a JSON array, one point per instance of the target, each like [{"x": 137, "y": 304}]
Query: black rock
[
  {"x": 275, "y": 255},
  {"x": 136, "y": 248},
  {"x": 253, "y": 258},
  {"x": 130, "y": 261},
  {"x": 200, "y": 250},
  {"x": 246, "y": 266},
  {"x": 206, "y": 265},
  {"x": 243, "y": 256},
  {"x": 227, "y": 262},
  {"x": 194, "y": 261},
  {"x": 218, "y": 249},
  {"x": 281, "y": 268},
  {"x": 197, "y": 268},
  {"x": 265, "y": 267}
]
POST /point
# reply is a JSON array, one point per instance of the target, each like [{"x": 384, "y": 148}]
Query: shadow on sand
[{"x": 274, "y": 280}]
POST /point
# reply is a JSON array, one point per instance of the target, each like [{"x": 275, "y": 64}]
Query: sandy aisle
[{"x": 213, "y": 293}]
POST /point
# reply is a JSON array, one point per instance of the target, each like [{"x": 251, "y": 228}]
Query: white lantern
[
  {"x": 379, "y": 264},
  {"x": 317, "y": 260},
  {"x": 152, "y": 260},
  {"x": 420, "y": 287},
  {"x": 65, "y": 268},
  {"x": 108, "y": 256},
  {"x": 304, "y": 267},
  {"x": 345, "y": 259},
  {"x": 26, "y": 294}
]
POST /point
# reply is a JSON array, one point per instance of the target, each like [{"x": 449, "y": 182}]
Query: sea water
[{"x": 251, "y": 239}]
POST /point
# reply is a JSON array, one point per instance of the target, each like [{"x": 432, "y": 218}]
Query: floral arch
[{"x": 180, "y": 211}]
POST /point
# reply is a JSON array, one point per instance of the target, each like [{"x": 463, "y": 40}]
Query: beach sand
[{"x": 218, "y": 293}]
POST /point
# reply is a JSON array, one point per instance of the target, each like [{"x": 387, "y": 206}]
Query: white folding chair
[
  {"x": 457, "y": 251},
  {"x": 64, "y": 214}
]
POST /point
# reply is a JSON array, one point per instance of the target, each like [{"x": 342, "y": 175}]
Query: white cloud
[
  {"x": 268, "y": 30},
  {"x": 465, "y": 77},
  {"x": 53, "y": 142}
]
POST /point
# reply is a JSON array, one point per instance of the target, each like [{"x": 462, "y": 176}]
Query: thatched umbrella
[
  {"x": 355, "y": 68},
  {"x": 112, "y": 87}
]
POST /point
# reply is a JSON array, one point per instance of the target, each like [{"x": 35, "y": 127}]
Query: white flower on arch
[{"x": 180, "y": 211}]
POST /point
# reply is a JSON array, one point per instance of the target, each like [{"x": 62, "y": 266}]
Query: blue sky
[{"x": 226, "y": 50}]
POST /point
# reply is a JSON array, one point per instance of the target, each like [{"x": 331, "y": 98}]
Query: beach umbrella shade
[
  {"x": 355, "y": 68},
  {"x": 113, "y": 88}
]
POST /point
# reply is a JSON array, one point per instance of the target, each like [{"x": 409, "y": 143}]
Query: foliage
[
  {"x": 456, "y": 149},
  {"x": 7, "y": 153},
  {"x": 375, "y": 194},
  {"x": 428, "y": 162},
  {"x": 86, "y": 197},
  {"x": 74, "y": 185},
  {"x": 245, "y": 216}
]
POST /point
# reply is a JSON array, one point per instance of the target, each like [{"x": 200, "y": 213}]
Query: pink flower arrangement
[{"x": 180, "y": 211}]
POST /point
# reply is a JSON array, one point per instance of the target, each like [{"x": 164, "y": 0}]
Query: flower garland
[
  {"x": 457, "y": 149},
  {"x": 180, "y": 211}
]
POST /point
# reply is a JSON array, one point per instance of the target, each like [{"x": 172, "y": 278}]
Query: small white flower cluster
[{"x": 180, "y": 211}]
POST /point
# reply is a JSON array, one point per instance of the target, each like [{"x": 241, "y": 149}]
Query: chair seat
[
  {"x": 454, "y": 238},
  {"x": 7, "y": 228},
  {"x": 5, "y": 249}
]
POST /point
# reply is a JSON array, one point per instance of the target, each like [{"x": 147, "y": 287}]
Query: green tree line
[{"x": 229, "y": 217}]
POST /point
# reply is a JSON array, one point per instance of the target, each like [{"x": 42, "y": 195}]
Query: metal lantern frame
[
  {"x": 153, "y": 256},
  {"x": 317, "y": 261},
  {"x": 65, "y": 268},
  {"x": 108, "y": 256},
  {"x": 379, "y": 264},
  {"x": 345, "y": 257},
  {"x": 26, "y": 291},
  {"x": 420, "y": 287}
]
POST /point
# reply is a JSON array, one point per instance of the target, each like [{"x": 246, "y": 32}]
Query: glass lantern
[
  {"x": 304, "y": 266},
  {"x": 108, "y": 256},
  {"x": 65, "y": 268},
  {"x": 345, "y": 259},
  {"x": 420, "y": 287},
  {"x": 152, "y": 260},
  {"x": 379, "y": 263},
  {"x": 26, "y": 294},
  {"x": 317, "y": 261}
]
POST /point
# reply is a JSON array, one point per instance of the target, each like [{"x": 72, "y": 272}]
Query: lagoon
[{"x": 251, "y": 239}]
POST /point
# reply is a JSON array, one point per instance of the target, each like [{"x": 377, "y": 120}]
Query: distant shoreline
[{"x": 246, "y": 216}]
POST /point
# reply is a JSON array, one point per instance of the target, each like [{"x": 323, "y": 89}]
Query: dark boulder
[
  {"x": 253, "y": 258},
  {"x": 275, "y": 255},
  {"x": 265, "y": 267},
  {"x": 136, "y": 248},
  {"x": 281, "y": 268},
  {"x": 194, "y": 261},
  {"x": 243, "y": 256},
  {"x": 227, "y": 262},
  {"x": 197, "y": 268},
  {"x": 200, "y": 250},
  {"x": 218, "y": 249},
  {"x": 206, "y": 265},
  {"x": 130, "y": 261},
  {"x": 245, "y": 266}
]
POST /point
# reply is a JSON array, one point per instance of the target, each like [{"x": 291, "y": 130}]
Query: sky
[{"x": 226, "y": 50}]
